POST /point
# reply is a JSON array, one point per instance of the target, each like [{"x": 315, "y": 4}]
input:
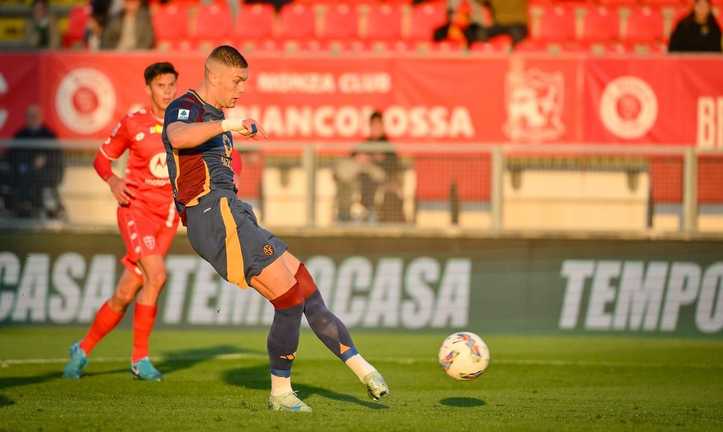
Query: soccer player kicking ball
[
  {"x": 147, "y": 221},
  {"x": 224, "y": 230}
]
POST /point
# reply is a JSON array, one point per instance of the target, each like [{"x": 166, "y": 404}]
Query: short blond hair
[{"x": 229, "y": 56}]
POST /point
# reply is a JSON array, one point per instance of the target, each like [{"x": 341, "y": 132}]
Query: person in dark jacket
[
  {"x": 37, "y": 172},
  {"x": 129, "y": 29},
  {"x": 698, "y": 31}
]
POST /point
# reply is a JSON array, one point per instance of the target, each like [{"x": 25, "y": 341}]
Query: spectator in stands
[
  {"x": 490, "y": 18},
  {"x": 129, "y": 29},
  {"x": 37, "y": 171},
  {"x": 456, "y": 29},
  {"x": 374, "y": 170},
  {"x": 698, "y": 31},
  {"x": 41, "y": 31},
  {"x": 277, "y": 4},
  {"x": 94, "y": 31}
]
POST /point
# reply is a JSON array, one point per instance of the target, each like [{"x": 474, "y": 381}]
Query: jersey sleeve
[
  {"x": 119, "y": 140},
  {"x": 182, "y": 110}
]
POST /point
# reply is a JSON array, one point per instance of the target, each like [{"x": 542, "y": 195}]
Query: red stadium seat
[
  {"x": 667, "y": 2},
  {"x": 531, "y": 46},
  {"x": 498, "y": 44},
  {"x": 213, "y": 22},
  {"x": 384, "y": 22},
  {"x": 77, "y": 22},
  {"x": 617, "y": 2},
  {"x": 340, "y": 22},
  {"x": 170, "y": 23},
  {"x": 298, "y": 21},
  {"x": 644, "y": 24},
  {"x": 600, "y": 24},
  {"x": 254, "y": 22},
  {"x": 555, "y": 23},
  {"x": 425, "y": 19},
  {"x": 448, "y": 46}
]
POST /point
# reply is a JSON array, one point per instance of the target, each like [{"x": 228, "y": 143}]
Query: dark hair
[
  {"x": 228, "y": 55},
  {"x": 376, "y": 115},
  {"x": 156, "y": 69}
]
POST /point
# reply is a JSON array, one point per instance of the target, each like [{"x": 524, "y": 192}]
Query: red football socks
[
  {"x": 143, "y": 320},
  {"x": 105, "y": 320}
]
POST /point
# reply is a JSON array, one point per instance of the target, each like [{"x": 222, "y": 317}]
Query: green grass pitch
[{"x": 217, "y": 380}]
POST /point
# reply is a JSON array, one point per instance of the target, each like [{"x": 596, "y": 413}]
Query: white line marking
[{"x": 398, "y": 360}]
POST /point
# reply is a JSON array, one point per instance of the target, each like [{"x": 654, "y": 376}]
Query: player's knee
[
  {"x": 157, "y": 279},
  {"x": 121, "y": 300}
]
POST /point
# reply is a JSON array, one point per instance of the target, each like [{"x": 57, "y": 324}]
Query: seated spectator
[
  {"x": 41, "y": 31},
  {"x": 94, "y": 32},
  {"x": 490, "y": 18},
  {"x": 36, "y": 172},
  {"x": 456, "y": 29},
  {"x": 373, "y": 174},
  {"x": 129, "y": 29},
  {"x": 697, "y": 32}
]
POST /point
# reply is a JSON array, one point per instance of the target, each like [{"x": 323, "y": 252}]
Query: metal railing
[{"x": 309, "y": 155}]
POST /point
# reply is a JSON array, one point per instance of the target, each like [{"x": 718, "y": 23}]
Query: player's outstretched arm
[{"x": 189, "y": 135}]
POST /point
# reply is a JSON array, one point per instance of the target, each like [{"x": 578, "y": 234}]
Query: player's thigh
[
  {"x": 154, "y": 269},
  {"x": 276, "y": 278},
  {"x": 128, "y": 229},
  {"x": 165, "y": 236}
]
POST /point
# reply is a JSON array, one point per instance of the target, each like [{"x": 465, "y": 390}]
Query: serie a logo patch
[{"x": 183, "y": 114}]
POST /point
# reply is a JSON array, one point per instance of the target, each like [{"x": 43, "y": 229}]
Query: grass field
[{"x": 217, "y": 380}]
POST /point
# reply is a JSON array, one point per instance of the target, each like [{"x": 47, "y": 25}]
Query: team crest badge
[
  {"x": 534, "y": 102},
  {"x": 268, "y": 250},
  {"x": 150, "y": 242}
]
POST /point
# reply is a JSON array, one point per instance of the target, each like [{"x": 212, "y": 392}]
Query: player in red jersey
[{"x": 147, "y": 221}]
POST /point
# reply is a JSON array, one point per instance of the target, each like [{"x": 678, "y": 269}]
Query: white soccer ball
[{"x": 464, "y": 356}]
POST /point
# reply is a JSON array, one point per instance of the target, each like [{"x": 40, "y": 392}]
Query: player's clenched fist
[{"x": 246, "y": 127}]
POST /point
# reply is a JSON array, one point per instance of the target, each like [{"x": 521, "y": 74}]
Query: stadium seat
[
  {"x": 617, "y": 2},
  {"x": 600, "y": 24},
  {"x": 340, "y": 22},
  {"x": 672, "y": 3},
  {"x": 384, "y": 22},
  {"x": 448, "y": 46},
  {"x": 298, "y": 21},
  {"x": 531, "y": 46},
  {"x": 254, "y": 22},
  {"x": 77, "y": 22},
  {"x": 170, "y": 24},
  {"x": 425, "y": 19},
  {"x": 554, "y": 23},
  {"x": 644, "y": 24},
  {"x": 213, "y": 23}
]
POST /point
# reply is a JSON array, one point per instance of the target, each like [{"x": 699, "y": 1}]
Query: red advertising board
[{"x": 489, "y": 99}]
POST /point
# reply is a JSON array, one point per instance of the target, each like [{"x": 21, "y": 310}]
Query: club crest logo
[
  {"x": 268, "y": 249},
  {"x": 628, "y": 107},
  {"x": 534, "y": 104},
  {"x": 85, "y": 100},
  {"x": 150, "y": 242}
]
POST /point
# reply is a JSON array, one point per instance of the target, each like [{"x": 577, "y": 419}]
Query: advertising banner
[
  {"x": 661, "y": 287},
  {"x": 488, "y": 99}
]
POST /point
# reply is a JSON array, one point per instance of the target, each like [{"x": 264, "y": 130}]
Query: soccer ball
[{"x": 464, "y": 356}]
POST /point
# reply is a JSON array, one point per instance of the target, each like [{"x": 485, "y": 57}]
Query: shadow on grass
[
  {"x": 463, "y": 402},
  {"x": 257, "y": 378},
  {"x": 11, "y": 382},
  {"x": 174, "y": 361},
  {"x": 5, "y": 401}
]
